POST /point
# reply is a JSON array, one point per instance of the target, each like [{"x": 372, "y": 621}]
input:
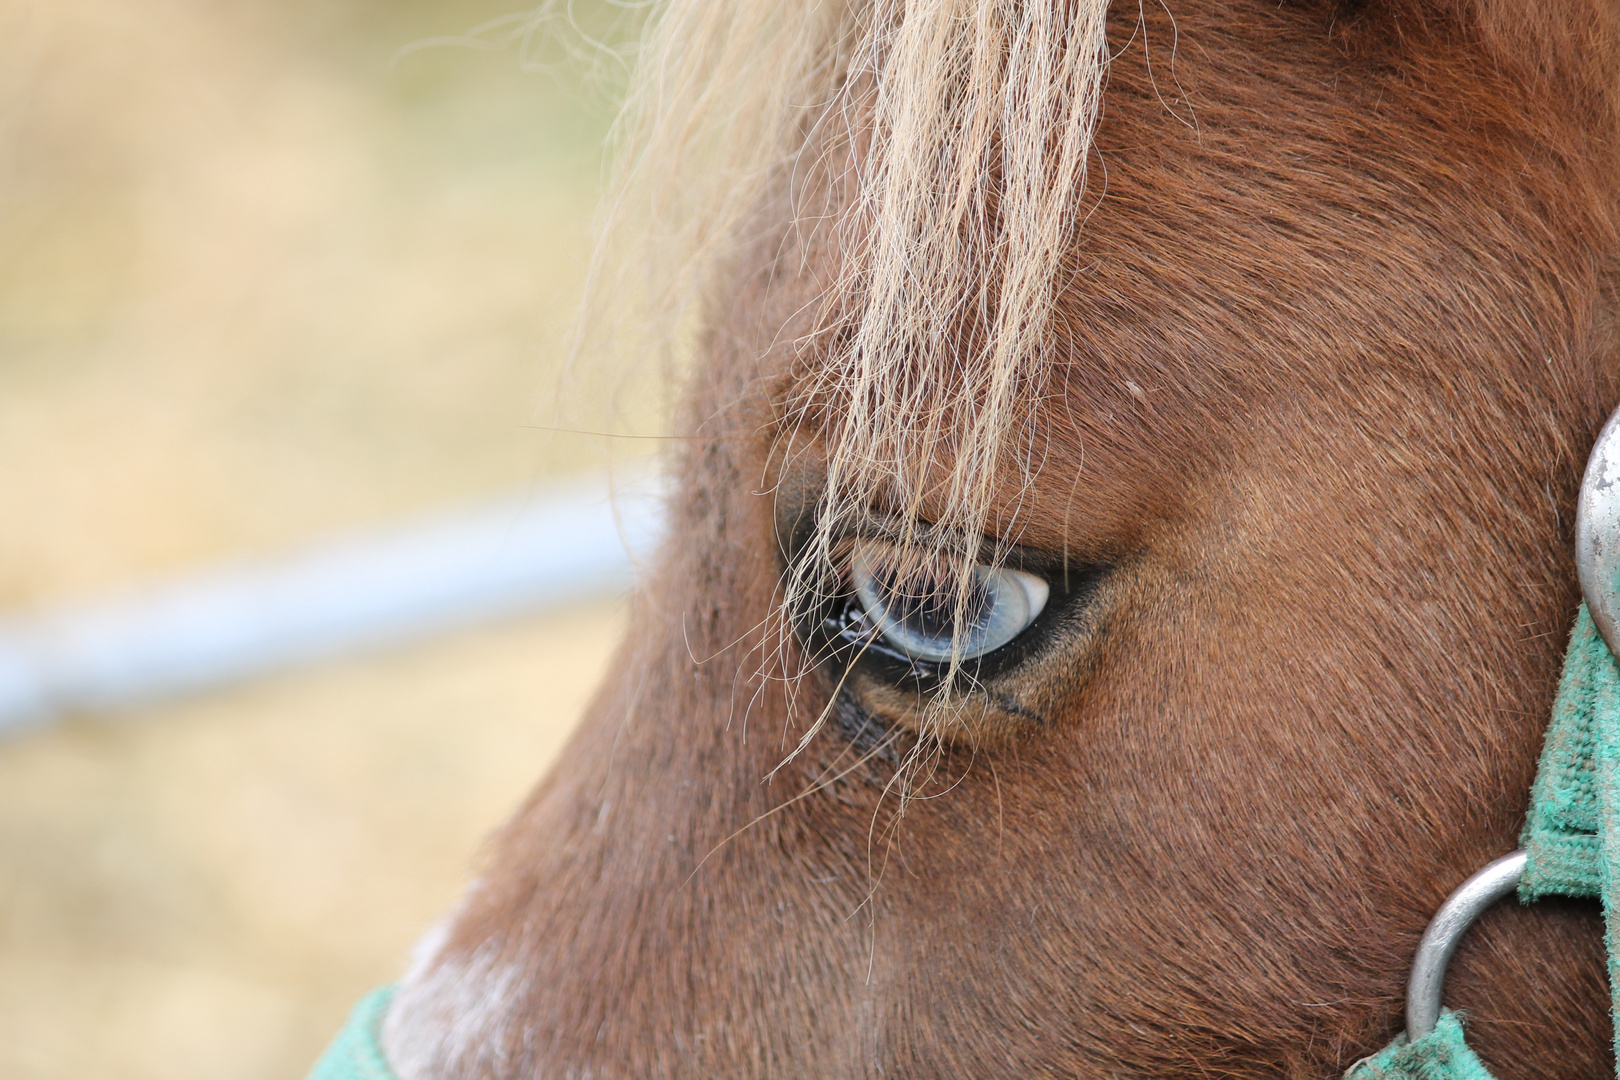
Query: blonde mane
[{"x": 966, "y": 124}]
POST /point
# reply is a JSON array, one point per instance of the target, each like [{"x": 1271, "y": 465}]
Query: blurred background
[{"x": 271, "y": 270}]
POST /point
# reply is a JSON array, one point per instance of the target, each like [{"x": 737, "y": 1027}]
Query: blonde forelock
[{"x": 968, "y": 126}]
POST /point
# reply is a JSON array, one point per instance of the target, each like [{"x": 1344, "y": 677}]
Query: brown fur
[{"x": 1325, "y": 373}]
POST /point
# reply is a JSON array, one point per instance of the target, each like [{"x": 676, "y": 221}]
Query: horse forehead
[{"x": 1288, "y": 220}]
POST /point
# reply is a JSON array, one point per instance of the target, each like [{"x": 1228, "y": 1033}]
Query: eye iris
[
  {"x": 916, "y": 613},
  {"x": 923, "y": 607}
]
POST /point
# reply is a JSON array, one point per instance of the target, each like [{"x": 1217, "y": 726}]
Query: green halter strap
[
  {"x": 356, "y": 1053},
  {"x": 1571, "y": 840},
  {"x": 1571, "y": 836}
]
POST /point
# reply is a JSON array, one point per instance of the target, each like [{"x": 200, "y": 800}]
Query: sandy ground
[
  {"x": 262, "y": 278},
  {"x": 202, "y": 891}
]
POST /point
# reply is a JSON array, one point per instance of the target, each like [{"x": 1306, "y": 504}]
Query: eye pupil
[
  {"x": 925, "y": 607},
  {"x": 916, "y": 612}
]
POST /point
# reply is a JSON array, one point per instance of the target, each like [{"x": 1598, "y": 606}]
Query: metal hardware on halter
[
  {"x": 1597, "y": 560},
  {"x": 1597, "y": 534},
  {"x": 1445, "y": 930}
]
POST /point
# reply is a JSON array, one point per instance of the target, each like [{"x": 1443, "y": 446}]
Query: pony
[{"x": 1118, "y": 553}]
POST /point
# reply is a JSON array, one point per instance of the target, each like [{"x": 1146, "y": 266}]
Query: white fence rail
[{"x": 357, "y": 592}]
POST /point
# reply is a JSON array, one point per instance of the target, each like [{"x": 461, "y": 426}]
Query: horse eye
[{"x": 916, "y": 613}]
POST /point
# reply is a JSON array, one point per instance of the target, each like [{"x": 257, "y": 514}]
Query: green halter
[
  {"x": 356, "y": 1053},
  {"x": 1571, "y": 842},
  {"x": 1571, "y": 835}
]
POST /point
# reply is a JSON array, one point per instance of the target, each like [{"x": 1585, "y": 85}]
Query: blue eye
[{"x": 916, "y": 612}]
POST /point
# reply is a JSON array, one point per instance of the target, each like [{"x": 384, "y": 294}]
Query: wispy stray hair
[{"x": 967, "y": 126}]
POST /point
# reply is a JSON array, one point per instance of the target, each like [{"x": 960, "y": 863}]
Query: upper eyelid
[
  {"x": 891, "y": 528},
  {"x": 873, "y": 526},
  {"x": 1013, "y": 557}
]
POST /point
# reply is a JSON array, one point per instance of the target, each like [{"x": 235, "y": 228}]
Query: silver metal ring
[
  {"x": 1445, "y": 930},
  {"x": 1597, "y": 533}
]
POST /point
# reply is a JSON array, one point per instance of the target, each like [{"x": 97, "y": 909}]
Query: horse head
[{"x": 1117, "y": 563}]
